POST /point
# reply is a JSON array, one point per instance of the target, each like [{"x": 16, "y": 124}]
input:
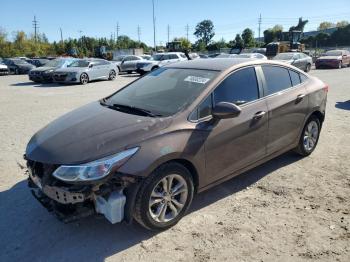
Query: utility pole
[
  {"x": 61, "y": 35},
  {"x": 139, "y": 32},
  {"x": 168, "y": 30},
  {"x": 259, "y": 21},
  {"x": 154, "y": 28},
  {"x": 187, "y": 29},
  {"x": 36, "y": 27},
  {"x": 117, "y": 28}
]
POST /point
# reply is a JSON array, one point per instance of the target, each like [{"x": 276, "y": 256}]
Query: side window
[
  {"x": 173, "y": 56},
  {"x": 203, "y": 110},
  {"x": 165, "y": 57},
  {"x": 183, "y": 56},
  {"x": 294, "y": 77},
  {"x": 277, "y": 79},
  {"x": 238, "y": 88}
]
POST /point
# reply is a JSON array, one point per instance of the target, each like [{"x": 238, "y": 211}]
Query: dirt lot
[{"x": 289, "y": 209}]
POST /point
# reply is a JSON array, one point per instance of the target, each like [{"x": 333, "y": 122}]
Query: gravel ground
[{"x": 289, "y": 209}]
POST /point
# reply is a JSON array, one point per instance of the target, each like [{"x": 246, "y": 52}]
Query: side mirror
[
  {"x": 91, "y": 66},
  {"x": 224, "y": 110}
]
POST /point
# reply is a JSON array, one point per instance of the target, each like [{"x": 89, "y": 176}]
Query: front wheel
[
  {"x": 164, "y": 197},
  {"x": 340, "y": 65},
  {"x": 308, "y": 68},
  {"x": 84, "y": 79},
  {"x": 309, "y": 137},
  {"x": 112, "y": 75}
]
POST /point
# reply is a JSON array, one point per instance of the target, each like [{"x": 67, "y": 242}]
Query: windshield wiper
[{"x": 132, "y": 109}]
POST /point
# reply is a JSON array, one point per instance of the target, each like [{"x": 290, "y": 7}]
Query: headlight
[{"x": 93, "y": 170}]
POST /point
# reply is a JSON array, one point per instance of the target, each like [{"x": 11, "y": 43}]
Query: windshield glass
[
  {"x": 164, "y": 91},
  {"x": 20, "y": 61},
  {"x": 284, "y": 56},
  {"x": 119, "y": 58},
  {"x": 79, "y": 63},
  {"x": 55, "y": 63},
  {"x": 157, "y": 57},
  {"x": 333, "y": 53}
]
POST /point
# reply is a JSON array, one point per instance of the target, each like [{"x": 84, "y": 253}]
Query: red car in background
[{"x": 334, "y": 59}]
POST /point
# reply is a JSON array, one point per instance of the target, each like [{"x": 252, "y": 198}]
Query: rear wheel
[
  {"x": 16, "y": 71},
  {"x": 164, "y": 197},
  {"x": 309, "y": 137},
  {"x": 112, "y": 75},
  {"x": 340, "y": 65},
  {"x": 84, "y": 79}
]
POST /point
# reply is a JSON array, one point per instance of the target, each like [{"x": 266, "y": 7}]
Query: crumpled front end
[{"x": 73, "y": 201}]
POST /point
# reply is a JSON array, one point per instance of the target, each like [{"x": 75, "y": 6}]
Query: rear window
[
  {"x": 277, "y": 79},
  {"x": 294, "y": 77}
]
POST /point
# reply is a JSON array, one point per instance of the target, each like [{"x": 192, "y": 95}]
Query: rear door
[
  {"x": 287, "y": 103},
  {"x": 233, "y": 144}
]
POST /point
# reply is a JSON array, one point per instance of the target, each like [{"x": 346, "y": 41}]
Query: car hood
[
  {"x": 91, "y": 132},
  {"x": 43, "y": 68},
  {"x": 329, "y": 58}
]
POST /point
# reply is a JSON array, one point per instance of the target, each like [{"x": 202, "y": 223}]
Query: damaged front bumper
[{"x": 112, "y": 198}]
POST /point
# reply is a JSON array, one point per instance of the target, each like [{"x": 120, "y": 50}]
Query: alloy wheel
[
  {"x": 310, "y": 136},
  {"x": 84, "y": 79},
  {"x": 168, "y": 198},
  {"x": 112, "y": 75}
]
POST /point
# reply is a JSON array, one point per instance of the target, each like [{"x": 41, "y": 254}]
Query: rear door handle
[
  {"x": 259, "y": 115},
  {"x": 300, "y": 97}
]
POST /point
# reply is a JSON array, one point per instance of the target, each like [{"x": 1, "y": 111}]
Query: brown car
[
  {"x": 333, "y": 59},
  {"x": 144, "y": 151}
]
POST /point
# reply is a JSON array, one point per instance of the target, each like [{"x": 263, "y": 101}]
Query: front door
[{"x": 233, "y": 144}]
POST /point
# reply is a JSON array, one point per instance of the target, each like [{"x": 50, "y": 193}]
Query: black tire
[
  {"x": 340, "y": 65},
  {"x": 129, "y": 72},
  {"x": 84, "y": 78},
  {"x": 16, "y": 71},
  {"x": 302, "y": 149},
  {"x": 112, "y": 75},
  {"x": 142, "y": 213},
  {"x": 154, "y": 68},
  {"x": 308, "y": 68}
]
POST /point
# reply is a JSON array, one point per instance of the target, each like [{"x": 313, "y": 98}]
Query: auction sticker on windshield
[{"x": 197, "y": 79}]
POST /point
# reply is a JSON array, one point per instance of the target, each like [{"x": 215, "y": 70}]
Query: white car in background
[
  {"x": 4, "y": 70},
  {"x": 159, "y": 60}
]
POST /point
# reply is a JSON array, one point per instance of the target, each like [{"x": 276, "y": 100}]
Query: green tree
[
  {"x": 325, "y": 25},
  {"x": 248, "y": 38},
  {"x": 343, "y": 23},
  {"x": 239, "y": 43},
  {"x": 205, "y": 31},
  {"x": 185, "y": 44}
]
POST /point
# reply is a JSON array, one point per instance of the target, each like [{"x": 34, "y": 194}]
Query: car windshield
[
  {"x": 333, "y": 53},
  {"x": 157, "y": 57},
  {"x": 164, "y": 91},
  {"x": 19, "y": 61},
  {"x": 284, "y": 56},
  {"x": 119, "y": 58},
  {"x": 79, "y": 63},
  {"x": 55, "y": 63}
]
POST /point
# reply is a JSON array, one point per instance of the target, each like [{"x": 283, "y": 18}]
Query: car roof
[{"x": 221, "y": 64}]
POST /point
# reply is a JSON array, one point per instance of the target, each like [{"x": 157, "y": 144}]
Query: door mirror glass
[{"x": 224, "y": 110}]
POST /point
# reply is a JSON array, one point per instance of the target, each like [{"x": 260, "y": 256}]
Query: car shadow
[
  {"x": 40, "y": 85},
  {"x": 343, "y": 105},
  {"x": 29, "y": 232}
]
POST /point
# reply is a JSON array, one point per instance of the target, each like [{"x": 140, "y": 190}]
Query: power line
[{"x": 36, "y": 27}]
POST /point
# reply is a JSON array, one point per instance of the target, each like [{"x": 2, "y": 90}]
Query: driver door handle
[{"x": 259, "y": 115}]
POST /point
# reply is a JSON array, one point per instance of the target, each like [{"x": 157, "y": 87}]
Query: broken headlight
[{"x": 93, "y": 170}]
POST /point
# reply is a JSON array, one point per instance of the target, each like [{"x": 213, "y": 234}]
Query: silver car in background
[
  {"x": 299, "y": 60},
  {"x": 85, "y": 70},
  {"x": 45, "y": 73},
  {"x": 129, "y": 63}
]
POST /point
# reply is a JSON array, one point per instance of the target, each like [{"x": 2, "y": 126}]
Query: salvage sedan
[
  {"x": 144, "y": 151},
  {"x": 85, "y": 70}
]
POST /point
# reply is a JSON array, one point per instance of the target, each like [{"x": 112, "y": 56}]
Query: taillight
[{"x": 326, "y": 87}]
